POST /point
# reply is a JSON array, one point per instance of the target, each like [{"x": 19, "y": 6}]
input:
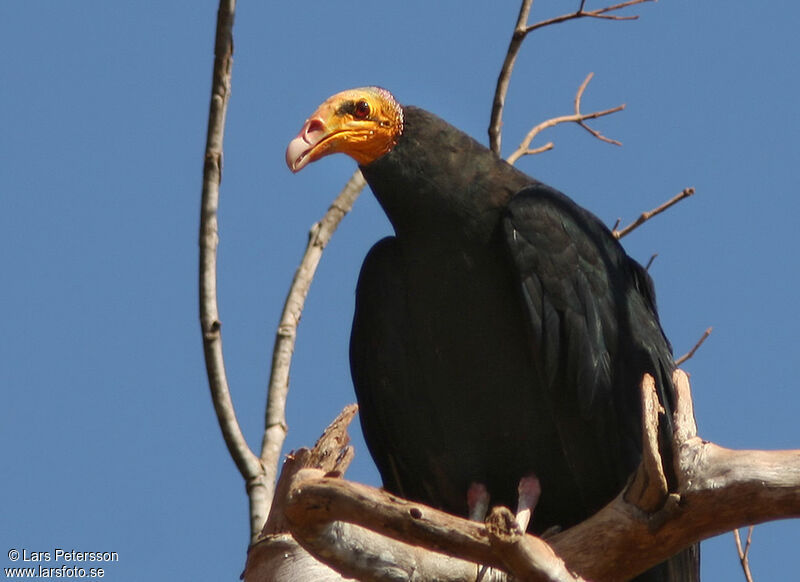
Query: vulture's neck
[{"x": 439, "y": 182}]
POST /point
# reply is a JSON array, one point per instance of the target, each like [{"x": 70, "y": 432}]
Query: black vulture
[{"x": 501, "y": 332}]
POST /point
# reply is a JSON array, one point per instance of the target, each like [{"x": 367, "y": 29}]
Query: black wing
[
  {"x": 379, "y": 364},
  {"x": 594, "y": 332}
]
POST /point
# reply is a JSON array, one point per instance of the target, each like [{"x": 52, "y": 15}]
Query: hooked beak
[{"x": 300, "y": 151}]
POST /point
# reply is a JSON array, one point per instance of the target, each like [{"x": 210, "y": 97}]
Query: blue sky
[{"x": 107, "y": 432}]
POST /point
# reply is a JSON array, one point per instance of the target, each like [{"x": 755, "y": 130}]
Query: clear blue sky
[{"x": 108, "y": 438}]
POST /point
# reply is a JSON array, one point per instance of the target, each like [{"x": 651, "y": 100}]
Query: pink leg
[
  {"x": 529, "y": 490},
  {"x": 477, "y": 501}
]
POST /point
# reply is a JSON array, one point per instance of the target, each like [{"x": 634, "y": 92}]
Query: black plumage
[{"x": 503, "y": 330}]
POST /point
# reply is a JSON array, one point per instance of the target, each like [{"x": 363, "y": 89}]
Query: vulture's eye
[{"x": 362, "y": 109}]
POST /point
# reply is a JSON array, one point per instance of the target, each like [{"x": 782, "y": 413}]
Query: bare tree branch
[
  {"x": 601, "y": 13},
  {"x": 246, "y": 461},
  {"x": 521, "y": 30},
  {"x": 275, "y": 422},
  {"x": 626, "y": 537},
  {"x": 276, "y": 555},
  {"x": 577, "y": 117},
  {"x": 503, "y": 80},
  {"x": 525, "y": 559},
  {"x": 323, "y": 511},
  {"x": 691, "y": 352},
  {"x": 259, "y": 472},
  {"x": 645, "y": 216},
  {"x": 744, "y": 559}
]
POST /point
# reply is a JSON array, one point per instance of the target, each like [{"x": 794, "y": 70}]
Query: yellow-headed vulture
[{"x": 502, "y": 332}]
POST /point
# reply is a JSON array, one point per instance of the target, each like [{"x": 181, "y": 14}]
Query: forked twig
[
  {"x": 577, "y": 117},
  {"x": 601, "y": 13},
  {"x": 691, "y": 352},
  {"x": 259, "y": 473},
  {"x": 521, "y": 30},
  {"x": 645, "y": 216},
  {"x": 744, "y": 553}
]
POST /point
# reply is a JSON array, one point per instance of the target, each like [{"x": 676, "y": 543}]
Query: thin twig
[
  {"x": 650, "y": 262},
  {"x": 521, "y": 30},
  {"x": 691, "y": 352},
  {"x": 275, "y": 421},
  {"x": 246, "y": 461},
  {"x": 645, "y": 216},
  {"x": 581, "y": 13},
  {"x": 577, "y": 117},
  {"x": 744, "y": 552}
]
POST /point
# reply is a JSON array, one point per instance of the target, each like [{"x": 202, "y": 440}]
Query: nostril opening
[{"x": 313, "y": 126}]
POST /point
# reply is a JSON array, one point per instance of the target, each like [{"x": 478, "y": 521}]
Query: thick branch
[
  {"x": 276, "y": 556},
  {"x": 275, "y": 421},
  {"x": 718, "y": 489},
  {"x": 577, "y": 117},
  {"x": 648, "y": 488},
  {"x": 526, "y": 558},
  {"x": 247, "y": 463}
]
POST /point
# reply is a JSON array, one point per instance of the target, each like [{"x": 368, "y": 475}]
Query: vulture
[{"x": 501, "y": 333}]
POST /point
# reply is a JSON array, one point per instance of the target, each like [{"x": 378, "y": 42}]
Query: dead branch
[
  {"x": 645, "y": 216},
  {"x": 322, "y": 513},
  {"x": 276, "y": 555},
  {"x": 577, "y": 117},
  {"x": 525, "y": 559},
  {"x": 275, "y": 422},
  {"x": 717, "y": 489},
  {"x": 521, "y": 31},
  {"x": 246, "y": 461},
  {"x": 648, "y": 488},
  {"x": 744, "y": 553},
  {"x": 696, "y": 347}
]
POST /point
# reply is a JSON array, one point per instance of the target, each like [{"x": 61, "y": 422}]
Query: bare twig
[
  {"x": 744, "y": 552},
  {"x": 521, "y": 30},
  {"x": 599, "y": 13},
  {"x": 691, "y": 352},
  {"x": 275, "y": 421},
  {"x": 645, "y": 216},
  {"x": 577, "y": 117},
  {"x": 650, "y": 262},
  {"x": 246, "y": 461}
]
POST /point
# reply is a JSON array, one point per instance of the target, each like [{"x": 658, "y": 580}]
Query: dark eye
[{"x": 361, "y": 110}]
